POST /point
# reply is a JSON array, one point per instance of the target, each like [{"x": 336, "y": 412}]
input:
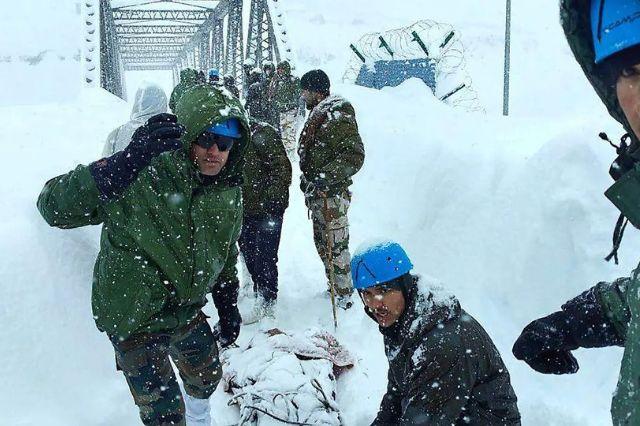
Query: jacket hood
[
  {"x": 188, "y": 75},
  {"x": 203, "y": 105},
  {"x": 575, "y": 17},
  {"x": 150, "y": 100}
]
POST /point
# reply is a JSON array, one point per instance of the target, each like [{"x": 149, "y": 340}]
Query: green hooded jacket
[
  {"x": 331, "y": 149},
  {"x": 619, "y": 300},
  {"x": 188, "y": 79},
  {"x": 168, "y": 239},
  {"x": 267, "y": 172}
]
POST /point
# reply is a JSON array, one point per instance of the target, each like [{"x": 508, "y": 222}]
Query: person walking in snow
[
  {"x": 443, "y": 367},
  {"x": 265, "y": 192},
  {"x": 256, "y": 104},
  {"x": 284, "y": 96},
  {"x": 331, "y": 152},
  {"x": 605, "y": 39},
  {"x": 247, "y": 66},
  {"x": 269, "y": 71},
  {"x": 188, "y": 79},
  {"x": 150, "y": 100},
  {"x": 171, "y": 208},
  {"x": 229, "y": 83},
  {"x": 214, "y": 77},
  {"x": 271, "y": 113}
]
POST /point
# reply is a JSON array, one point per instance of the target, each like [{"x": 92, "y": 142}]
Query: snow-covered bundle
[{"x": 279, "y": 378}]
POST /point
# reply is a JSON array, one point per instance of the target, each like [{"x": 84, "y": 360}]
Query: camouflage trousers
[
  {"x": 289, "y": 128},
  {"x": 144, "y": 360},
  {"x": 331, "y": 225}
]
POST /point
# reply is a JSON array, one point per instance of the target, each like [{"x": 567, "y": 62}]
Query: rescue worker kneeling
[{"x": 443, "y": 367}]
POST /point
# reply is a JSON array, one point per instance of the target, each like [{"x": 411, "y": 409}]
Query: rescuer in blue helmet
[
  {"x": 604, "y": 36},
  {"x": 214, "y": 76},
  {"x": 443, "y": 366}
]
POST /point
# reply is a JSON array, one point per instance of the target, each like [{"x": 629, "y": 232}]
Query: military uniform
[
  {"x": 169, "y": 238},
  {"x": 331, "y": 152},
  {"x": 284, "y": 94},
  {"x": 267, "y": 177}
]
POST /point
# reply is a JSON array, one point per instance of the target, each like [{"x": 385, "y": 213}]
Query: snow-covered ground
[{"x": 507, "y": 212}]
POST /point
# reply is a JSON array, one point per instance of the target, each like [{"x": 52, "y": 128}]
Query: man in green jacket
[
  {"x": 265, "y": 192},
  {"x": 605, "y": 39},
  {"x": 331, "y": 152},
  {"x": 284, "y": 95},
  {"x": 443, "y": 367},
  {"x": 171, "y": 208},
  {"x": 188, "y": 79}
]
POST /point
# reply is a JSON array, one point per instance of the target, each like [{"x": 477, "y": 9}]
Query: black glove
[
  {"x": 226, "y": 331},
  {"x": 545, "y": 345},
  {"x": 114, "y": 174}
]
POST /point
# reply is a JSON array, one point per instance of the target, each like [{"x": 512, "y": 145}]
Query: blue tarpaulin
[{"x": 393, "y": 73}]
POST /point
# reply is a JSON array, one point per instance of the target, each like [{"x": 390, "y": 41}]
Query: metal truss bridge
[{"x": 176, "y": 34}]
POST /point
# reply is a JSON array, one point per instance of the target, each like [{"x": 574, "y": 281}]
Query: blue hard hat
[
  {"x": 379, "y": 263},
  {"x": 615, "y": 25},
  {"x": 230, "y": 128},
  {"x": 214, "y": 73}
]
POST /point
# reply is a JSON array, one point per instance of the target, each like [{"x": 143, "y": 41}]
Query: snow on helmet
[
  {"x": 229, "y": 128},
  {"x": 615, "y": 25},
  {"x": 379, "y": 263}
]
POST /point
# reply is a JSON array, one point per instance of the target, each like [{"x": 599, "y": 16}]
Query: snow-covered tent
[{"x": 427, "y": 50}]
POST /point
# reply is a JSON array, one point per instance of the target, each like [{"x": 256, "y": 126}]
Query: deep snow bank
[
  {"x": 57, "y": 369},
  {"x": 40, "y": 48}
]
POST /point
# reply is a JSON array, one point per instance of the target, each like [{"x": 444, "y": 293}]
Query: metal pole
[{"x": 507, "y": 60}]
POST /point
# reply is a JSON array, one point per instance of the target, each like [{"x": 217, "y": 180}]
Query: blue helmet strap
[
  {"x": 364, "y": 265},
  {"x": 600, "y": 12}
]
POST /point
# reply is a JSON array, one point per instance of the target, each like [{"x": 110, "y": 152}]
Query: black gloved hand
[
  {"x": 226, "y": 331},
  {"x": 161, "y": 133},
  {"x": 546, "y": 345},
  {"x": 114, "y": 174}
]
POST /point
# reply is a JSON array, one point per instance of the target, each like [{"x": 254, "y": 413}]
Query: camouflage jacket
[
  {"x": 188, "y": 79},
  {"x": 170, "y": 238},
  {"x": 443, "y": 367},
  {"x": 284, "y": 92},
  {"x": 267, "y": 172},
  {"x": 331, "y": 150}
]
